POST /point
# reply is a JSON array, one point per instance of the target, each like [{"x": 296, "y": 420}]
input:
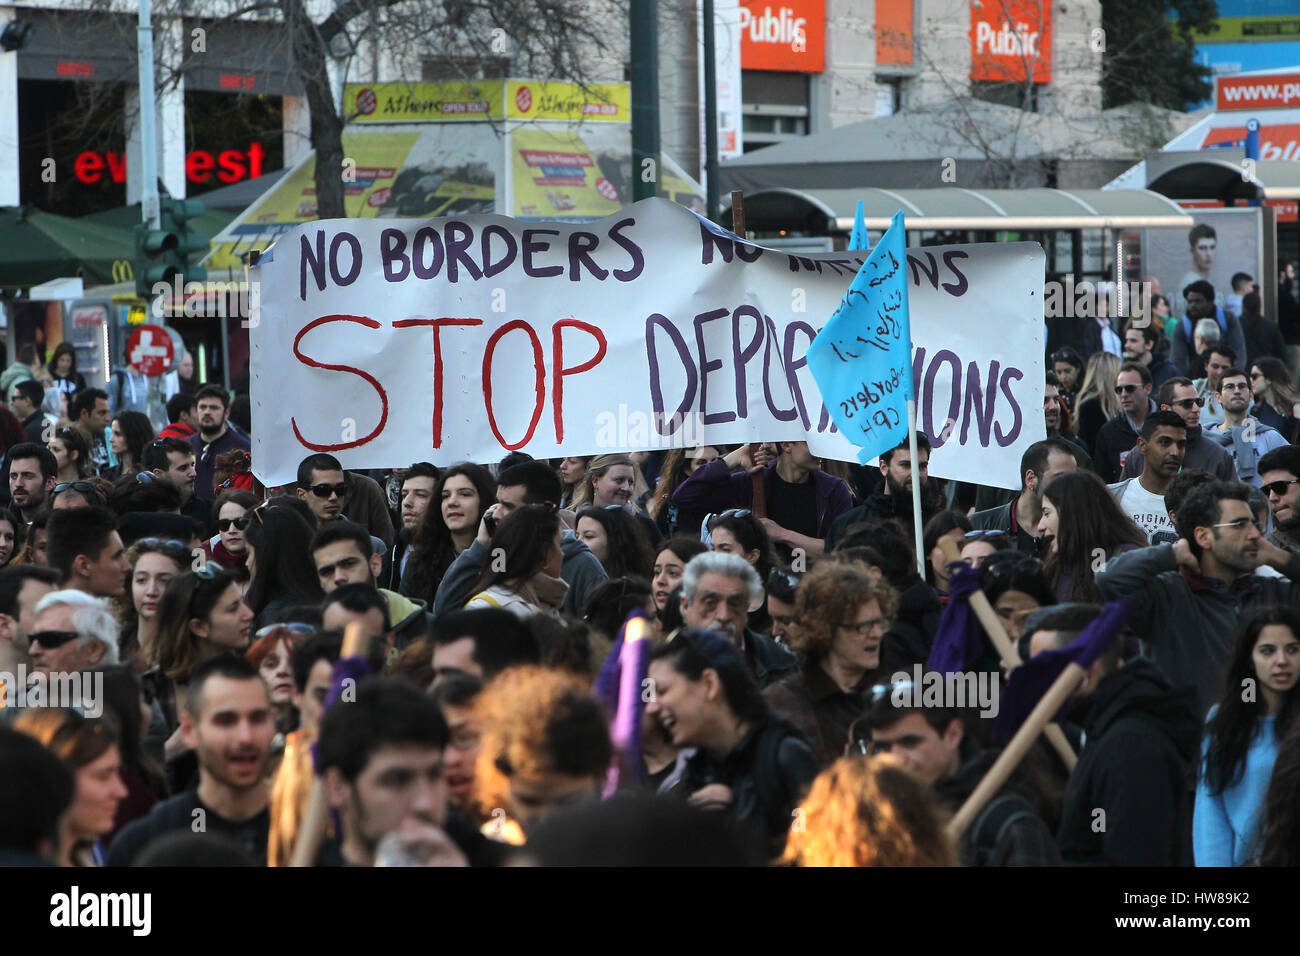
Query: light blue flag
[
  {"x": 862, "y": 358},
  {"x": 859, "y": 241}
]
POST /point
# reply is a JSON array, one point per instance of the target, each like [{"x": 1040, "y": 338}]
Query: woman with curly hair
[
  {"x": 841, "y": 615},
  {"x": 1242, "y": 737},
  {"x": 868, "y": 812},
  {"x": 617, "y": 541},
  {"x": 544, "y": 743},
  {"x": 447, "y": 527}
]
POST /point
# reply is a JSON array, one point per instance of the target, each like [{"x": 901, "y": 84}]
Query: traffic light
[{"x": 163, "y": 254}]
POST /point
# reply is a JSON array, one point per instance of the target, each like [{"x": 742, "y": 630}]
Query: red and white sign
[
  {"x": 1260, "y": 92},
  {"x": 1011, "y": 40},
  {"x": 1275, "y": 142},
  {"x": 783, "y": 35},
  {"x": 150, "y": 349},
  {"x": 524, "y": 99}
]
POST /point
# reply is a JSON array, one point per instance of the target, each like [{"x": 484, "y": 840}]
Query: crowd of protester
[{"x": 780, "y": 599}]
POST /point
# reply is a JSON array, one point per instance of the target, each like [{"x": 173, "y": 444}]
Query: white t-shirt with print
[{"x": 1147, "y": 510}]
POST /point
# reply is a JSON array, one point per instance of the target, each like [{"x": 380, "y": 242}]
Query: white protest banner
[{"x": 384, "y": 342}]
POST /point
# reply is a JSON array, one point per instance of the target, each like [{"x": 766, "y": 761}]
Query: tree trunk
[{"x": 311, "y": 57}]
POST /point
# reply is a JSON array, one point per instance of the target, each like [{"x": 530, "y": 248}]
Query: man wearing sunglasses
[
  {"x": 72, "y": 631},
  {"x": 1245, "y": 438},
  {"x": 325, "y": 488},
  {"x": 1204, "y": 452},
  {"x": 1189, "y": 597},
  {"x": 1118, "y": 436},
  {"x": 1279, "y": 472},
  {"x": 22, "y": 587}
]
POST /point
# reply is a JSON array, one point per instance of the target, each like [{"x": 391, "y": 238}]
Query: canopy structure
[
  {"x": 36, "y": 247},
  {"x": 828, "y": 211}
]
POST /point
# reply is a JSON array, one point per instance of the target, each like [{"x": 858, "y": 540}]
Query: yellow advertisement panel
[
  {"x": 422, "y": 102},
  {"x": 599, "y": 102},
  {"x": 558, "y": 175}
]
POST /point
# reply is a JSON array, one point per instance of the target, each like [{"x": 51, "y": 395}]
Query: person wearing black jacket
[
  {"x": 717, "y": 589},
  {"x": 894, "y": 500},
  {"x": 1041, "y": 462},
  {"x": 746, "y": 761},
  {"x": 229, "y": 723},
  {"x": 933, "y": 744},
  {"x": 1118, "y": 436},
  {"x": 1129, "y": 799}
]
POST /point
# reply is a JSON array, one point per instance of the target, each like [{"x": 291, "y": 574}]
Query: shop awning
[
  {"x": 1218, "y": 174},
  {"x": 822, "y": 211},
  {"x": 37, "y": 246}
]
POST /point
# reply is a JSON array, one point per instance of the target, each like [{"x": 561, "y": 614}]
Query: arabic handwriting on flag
[{"x": 861, "y": 359}]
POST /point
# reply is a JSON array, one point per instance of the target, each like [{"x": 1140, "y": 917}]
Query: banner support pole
[{"x": 916, "y": 488}]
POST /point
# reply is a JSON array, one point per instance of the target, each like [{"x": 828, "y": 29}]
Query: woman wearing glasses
[
  {"x": 1242, "y": 737},
  {"x": 201, "y": 616},
  {"x": 227, "y": 547},
  {"x": 747, "y": 761},
  {"x": 154, "y": 562},
  {"x": 527, "y": 579},
  {"x": 72, "y": 453},
  {"x": 842, "y": 613},
  {"x": 447, "y": 527},
  {"x": 278, "y": 543},
  {"x": 1083, "y": 526},
  {"x": 89, "y": 749},
  {"x": 131, "y": 434}
]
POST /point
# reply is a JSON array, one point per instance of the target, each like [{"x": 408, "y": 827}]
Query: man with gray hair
[
  {"x": 73, "y": 631},
  {"x": 717, "y": 592}
]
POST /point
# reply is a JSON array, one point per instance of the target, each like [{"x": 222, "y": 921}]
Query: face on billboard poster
[{"x": 1221, "y": 243}]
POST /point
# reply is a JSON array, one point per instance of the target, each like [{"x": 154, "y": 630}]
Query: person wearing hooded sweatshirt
[
  {"x": 1129, "y": 799},
  {"x": 343, "y": 553}
]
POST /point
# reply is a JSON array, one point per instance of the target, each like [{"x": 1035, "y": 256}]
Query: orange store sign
[
  {"x": 783, "y": 35},
  {"x": 1011, "y": 40}
]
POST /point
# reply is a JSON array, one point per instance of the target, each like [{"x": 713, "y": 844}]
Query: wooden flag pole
[
  {"x": 312, "y": 832},
  {"x": 1006, "y": 649},
  {"x": 1015, "y": 751},
  {"x": 759, "y": 506}
]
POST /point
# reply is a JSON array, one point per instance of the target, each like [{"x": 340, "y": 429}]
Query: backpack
[{"x": 991, "y": 826}]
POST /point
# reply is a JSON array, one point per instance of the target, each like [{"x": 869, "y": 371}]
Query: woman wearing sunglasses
[
  {"x": 227, "y": 546},
  {"x": 278, "y": 543},
  {"x": 202, "y": 615},
  {"x": 154, "y": 562},
  {"x": 89, "y": 749}
]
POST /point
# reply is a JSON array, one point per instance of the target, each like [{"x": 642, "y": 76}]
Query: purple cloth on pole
[
  {"x": 1032, "y": 679},
  {"x": 618, "y": 686},
  {"x": 958, "y": 640},
  {"x": 355, "y": 669}
]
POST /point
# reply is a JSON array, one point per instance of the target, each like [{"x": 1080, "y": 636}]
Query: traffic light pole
[{"x": 148, "y": 116}]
